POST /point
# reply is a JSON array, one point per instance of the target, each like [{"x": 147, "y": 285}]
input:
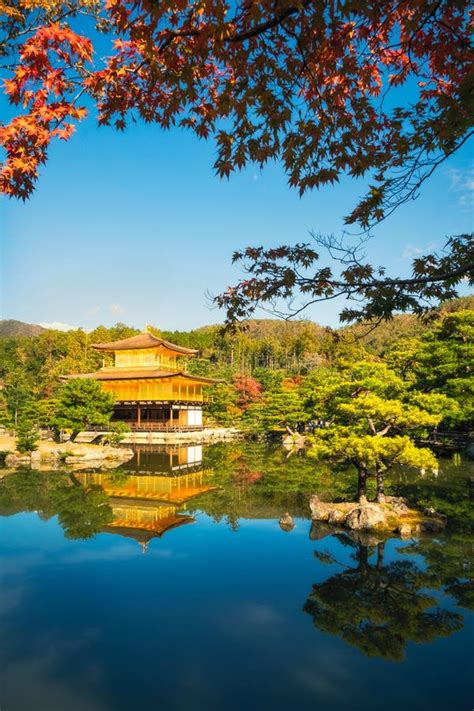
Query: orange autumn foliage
[{"x": 305, "y": 83}]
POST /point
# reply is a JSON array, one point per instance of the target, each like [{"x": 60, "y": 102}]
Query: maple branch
[
  {"x": 279, "y": 274},
  {"x": 417, "y": 281},
  {"x": 246, "y": 34},
  {"x": 274, "y": 22},
  {"x": 453, "y": 32}
]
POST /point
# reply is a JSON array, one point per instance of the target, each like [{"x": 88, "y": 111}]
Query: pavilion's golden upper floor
[{"x": 148, "y": 368}]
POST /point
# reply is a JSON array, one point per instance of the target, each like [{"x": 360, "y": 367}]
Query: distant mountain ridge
[
  {"x": 10, "y": 328},
  {"x": 264, "y": 329}
]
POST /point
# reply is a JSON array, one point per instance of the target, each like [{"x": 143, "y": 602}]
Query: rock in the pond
[
  {"x": 396, "y": 500},
  {"x": 337, "y": 516},
  {"x": 376, "y": 518},
  {"x": 286, "y": 522},
  {"x": 400, "y": 509},
  {"x": 405, "y": 530},
  {"x": 365, "y": 518},
  {"x": 319, "y": 510}
]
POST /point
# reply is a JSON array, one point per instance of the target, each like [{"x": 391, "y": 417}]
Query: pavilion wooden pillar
[{"x": 139, "y": 416}]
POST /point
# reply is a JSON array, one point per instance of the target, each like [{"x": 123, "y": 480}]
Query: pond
[{"x": 170, "y": 584}]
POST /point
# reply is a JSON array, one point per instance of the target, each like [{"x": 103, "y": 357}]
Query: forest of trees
[{"x": 272, "y": 370}]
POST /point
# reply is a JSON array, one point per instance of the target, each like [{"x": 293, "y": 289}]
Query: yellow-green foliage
[
  {"x": 371, "y": 417},
  {"x": 369, "y": 451}
]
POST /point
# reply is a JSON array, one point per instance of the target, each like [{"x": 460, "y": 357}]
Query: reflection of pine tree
[
  {"x": 450, "y": 567},
  {"x": 378, "y": 608}
]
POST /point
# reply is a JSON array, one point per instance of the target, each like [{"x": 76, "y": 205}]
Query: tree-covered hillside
[{"x": 273, "y": 372}]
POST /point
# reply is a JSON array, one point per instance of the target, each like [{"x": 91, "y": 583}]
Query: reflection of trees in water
[
  {"x": 251, "y": 476},
  {"x": 380, "y": 607},
  {"x": 450, "y": 493},
  {"x": 81, "y": 511},
  {"x": 261, "y": 481},
  {"x": 449, "y": 562}
]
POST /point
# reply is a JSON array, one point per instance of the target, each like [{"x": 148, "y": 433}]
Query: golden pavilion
[{"x": 150, "y": 383}]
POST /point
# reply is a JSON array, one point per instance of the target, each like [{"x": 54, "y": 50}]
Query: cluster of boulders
[
  {"x": 393, "y": 515},
  {"x": 70, "y": 454},
  {"x": 206, "y": 436}
]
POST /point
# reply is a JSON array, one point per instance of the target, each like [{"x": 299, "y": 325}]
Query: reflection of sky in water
[
  {"x": 210, "y": 618},
  {"x": 207, "y": 619}
]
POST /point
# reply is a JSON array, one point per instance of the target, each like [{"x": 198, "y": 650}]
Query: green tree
[
  {"x": 289, "y": 279},
  {"x": 276, "y": 411},
  {"x": 18, "y": 394},
  {"x": 371, "y": 418},
  {"x": 82, "y": 403},
  {"x": 444, "y": 364},
  {"x": 27, "y": 436},
  {"x": 223, "y": 406}
]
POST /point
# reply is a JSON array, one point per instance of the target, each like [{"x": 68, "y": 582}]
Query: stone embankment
[
  {"x": 206, "y": 436},
  {"x": 392, "y": 516},
  {"x": 51, "y": 455}
]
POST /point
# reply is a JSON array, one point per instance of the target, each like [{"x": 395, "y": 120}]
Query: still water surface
[{"x": 171, "y": 585}]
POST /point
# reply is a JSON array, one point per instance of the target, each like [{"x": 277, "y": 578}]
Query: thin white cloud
[
  {"x": 116, "y": 308},
  {"x": 59, "y": 326},
  {"x": 455, "y": 178},
  {"x": 462, "y": 183},
  {"x": 411, "y": 251}
]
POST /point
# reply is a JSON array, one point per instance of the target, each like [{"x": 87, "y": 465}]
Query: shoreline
[
  {"x": 205, "y": 436},
  {"x": 52, "y": 455}
]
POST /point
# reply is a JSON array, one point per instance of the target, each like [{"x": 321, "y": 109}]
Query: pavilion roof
[
  {"x": 144, "y": 533},
  {"x": 143, "y": 340},
  {"x": 148, "y": 373}
]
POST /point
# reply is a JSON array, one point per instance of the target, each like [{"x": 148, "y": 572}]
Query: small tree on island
[
  {"x": 82, "y": 403},
  {"x": 371, "y": 417}
]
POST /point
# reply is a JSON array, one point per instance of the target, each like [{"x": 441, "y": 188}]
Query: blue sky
[{"x": 135, "y": 227}]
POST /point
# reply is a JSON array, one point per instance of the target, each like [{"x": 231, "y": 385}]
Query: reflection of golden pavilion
[
  {"x": 145, "y": 506},
  {"x": 165, "y": 459},
  {"x": 152, "y": 487},
  {"x": 143, "y": 522}
]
